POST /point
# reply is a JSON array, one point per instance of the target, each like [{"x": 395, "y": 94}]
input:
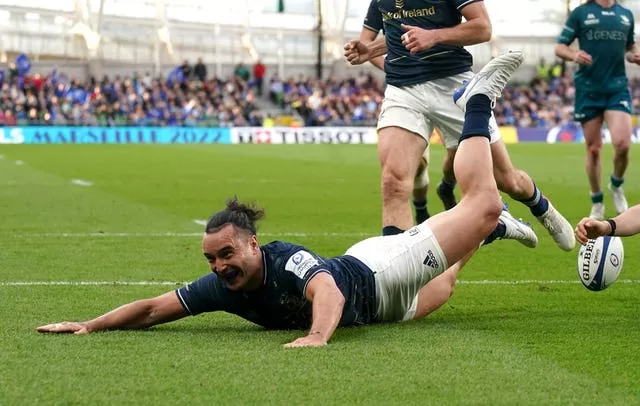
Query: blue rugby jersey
[{"x": 280, "y": 303}]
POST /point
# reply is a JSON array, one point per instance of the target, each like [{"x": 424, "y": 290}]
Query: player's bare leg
[
  {"x": 519, "y": 186},
  {"x": 619, "y": 123},
  {"x": 438, "y": 290},
  {"x": 593, "y": 164},
  {"x": 462, "y": 229},
  {"x": 400, "y": 152}
]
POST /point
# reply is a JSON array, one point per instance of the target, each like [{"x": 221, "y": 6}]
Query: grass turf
[{"x": 542, "y": 342}]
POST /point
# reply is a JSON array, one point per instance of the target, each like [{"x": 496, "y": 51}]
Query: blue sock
[
  {"x": 538, "y": 204},
  {"x": 616, "y": 182},
  {"x": 422, "y": 214},
  {"x": 499, "y": 232},
  {"x": 391, "y": 230},
  {"x": 597, "y": 198},
  {"x": 476, "y": 117}
]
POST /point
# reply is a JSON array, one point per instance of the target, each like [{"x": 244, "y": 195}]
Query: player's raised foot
[
  {"x": 491, "y": 79},
  {"x": 422, "y": 174},
  {"x": 619, "y": 201},
  {"x": 510, "y": 228},
  {"x": 559, "y": 228},
  {"x": 445, "y": 193},
  {"x": 597, "y": 211}
]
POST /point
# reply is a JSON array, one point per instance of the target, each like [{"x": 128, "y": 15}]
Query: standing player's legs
[
  {"x": 448, "y": 183},
  {"x": 519, "y": 186},
  {"x": 619, "y": 123},
  {"x": 421, "y": 187},
  {"x": 400, "y": 152},
  {"x": 403, "y": 132},
  {"x": 592, "y": 130}
]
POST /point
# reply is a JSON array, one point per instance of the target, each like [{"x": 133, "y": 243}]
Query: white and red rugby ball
[{"x": 600, "y": 262}]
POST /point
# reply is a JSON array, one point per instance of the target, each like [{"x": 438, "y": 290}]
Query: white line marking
[
  {"x": 168, "y": 234},
  {"x": 200, "y": 222},
  {"x": 81, "y": 182},
  {"x": 19, "y": 162},
  {"x": 176, "y": 283}
]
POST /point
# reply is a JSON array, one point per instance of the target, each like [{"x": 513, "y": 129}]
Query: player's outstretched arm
[
  {"x": 367, "y": 36},
  {"x": 135, "y": 315},
  {"x": 327, "y": 302},
  {"x": 627, "y": 224}
]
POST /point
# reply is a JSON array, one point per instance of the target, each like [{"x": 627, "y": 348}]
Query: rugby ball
[{"x": 600, "y": 262}]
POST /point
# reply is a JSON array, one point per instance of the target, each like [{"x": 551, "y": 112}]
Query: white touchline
[
  {"x": 81, "y": 182},
  {"x": 177, "y": 283},
  {"x": 200, "y": 222},
  {"x": 18, "y": 162}
]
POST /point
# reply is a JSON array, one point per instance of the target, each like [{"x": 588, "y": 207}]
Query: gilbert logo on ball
[{"x": 600, "y": 262}]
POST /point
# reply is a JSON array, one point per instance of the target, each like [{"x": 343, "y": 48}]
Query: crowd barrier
[{"x": 570, "y": 133}]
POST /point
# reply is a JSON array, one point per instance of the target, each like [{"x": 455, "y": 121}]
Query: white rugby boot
[
  {"x": 491, "y": 79},
  {"x": 597, "y": 211},
  {"x": 516, "y": 229},
  {"x": 619, "y": 201},
  {"x": 559, "y": 228}
]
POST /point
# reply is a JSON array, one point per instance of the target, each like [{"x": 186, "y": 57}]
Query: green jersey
[{"x": 605, "y": 34}]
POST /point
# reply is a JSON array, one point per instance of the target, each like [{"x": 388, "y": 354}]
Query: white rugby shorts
[
  {"x": 402, "y": 264},
  {"x": 424, "y": 106}
]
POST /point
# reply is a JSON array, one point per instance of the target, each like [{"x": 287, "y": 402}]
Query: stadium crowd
[{"x": 188, "y": 97}]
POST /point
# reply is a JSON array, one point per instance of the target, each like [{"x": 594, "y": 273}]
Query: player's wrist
[{"x": 612, "y": 227}]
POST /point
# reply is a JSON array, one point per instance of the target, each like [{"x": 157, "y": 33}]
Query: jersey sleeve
[
  {"x": 571, "y": 29},
  {"x": 202, "y": 295},
  {"x": 302, "y": 267},
  {"x": 373, "y": 19},
  {"x": 631, "y": 38},
  {"x": 460, "y": 4}
]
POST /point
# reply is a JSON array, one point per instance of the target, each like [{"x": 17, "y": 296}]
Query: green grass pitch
[{"x": 543, "y": 340}]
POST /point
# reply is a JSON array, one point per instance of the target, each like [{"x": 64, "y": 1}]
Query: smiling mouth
[{"x": 229, "y": 276}]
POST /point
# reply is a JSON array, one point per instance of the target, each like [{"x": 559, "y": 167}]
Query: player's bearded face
[{"x": 232, "y": 256}]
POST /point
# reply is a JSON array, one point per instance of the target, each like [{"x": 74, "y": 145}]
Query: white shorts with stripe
[
  {"x": 402, "y": 264},
  {"x": 424, "y": 106}
]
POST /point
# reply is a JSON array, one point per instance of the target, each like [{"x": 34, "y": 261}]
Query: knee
[
  {"x": 395, "y": 185},
  {"x": 621, "y": 147},
  {"x": 594, "y": 149},
  {"x": 488, "y": 207}
]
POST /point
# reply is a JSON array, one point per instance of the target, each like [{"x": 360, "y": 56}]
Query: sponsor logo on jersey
[
  {"x": 625, "y": 20},
  {"x": 591, "y": 19},
  {"x": 300, "y": 262}
]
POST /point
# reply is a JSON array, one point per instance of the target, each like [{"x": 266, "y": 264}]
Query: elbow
[
  {"x": 485, "y": 32},
  {"x": 558, "y": 51}
]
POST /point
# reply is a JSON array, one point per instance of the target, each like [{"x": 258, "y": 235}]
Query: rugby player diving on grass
[
  {"x": 286, "y": 286},
  {"x": 380, "y": 279}
]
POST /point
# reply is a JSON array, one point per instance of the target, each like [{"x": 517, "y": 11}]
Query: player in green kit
[{"x": 605, "y": 32}]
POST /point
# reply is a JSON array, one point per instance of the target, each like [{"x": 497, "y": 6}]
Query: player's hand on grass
[
  {"x": 589, "y": 228},
  {"x": 582, "y": 58},
  {"x": 417, "y": 39},
  {"x": 64, "y": 328},
  {"x": 356, "y": 52},
  {"x": 312, "y": 340}
]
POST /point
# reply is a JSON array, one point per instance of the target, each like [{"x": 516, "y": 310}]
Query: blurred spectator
[
  {"x": 258, "y": 74},
  {"x": 186, "y": 69},
  {"x": 242, "y": 72},
  {"x": 132, "y": 100},
  {"x": 200, "y": 71}
]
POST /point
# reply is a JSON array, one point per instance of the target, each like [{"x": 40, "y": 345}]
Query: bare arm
[
  {"x": 627, "y": 224},
  {"x": 476, "y": 30},
  {"x": 633, "y": 55},
  {"x": 367, "y": 36},
  {"x": 135, "y": 315},
  {"x": 327, "y": 302}
]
